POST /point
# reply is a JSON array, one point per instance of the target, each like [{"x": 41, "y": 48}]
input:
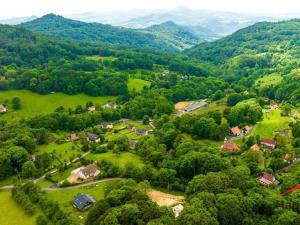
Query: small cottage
[
  {"x": 72, "y": 137},
  {"x": 255, "y": 147},
  {"x": 87, "y": 172},
  {"x": 91, "y": 108},
  {"x": 246, "y": 130},
  {"x": 106, "y": 125},
  {"x": 177, "y": 210},
  {"x": 141, "y": 132},
  {"x": 93, "y": 138},
  {"x": 229, "y": 146},
  {"x": 235, "y": 131},
  {"x": 267, "y": 179}
]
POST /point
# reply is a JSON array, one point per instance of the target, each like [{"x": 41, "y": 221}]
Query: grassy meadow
[
  {"x": 137, "y": 84},
  {"x": 269, "y": 80},
  {"x": 33, "y": 104},
  {"x": 272, "y": 122},
  {"x": 11, "y": 213}
]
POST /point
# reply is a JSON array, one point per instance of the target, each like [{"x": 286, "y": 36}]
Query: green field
[
  {"x": 11, "y": 213},
  {"x": 137, "y": 84},
  {"x": 218, "y": 105},
  {"x": 35, "y": 104},
  {"x": 272, "y": 122},
  {"x": 65, "y": 152},
  {"x": 65, "y": 198},
  {"x": 98, "y": 58},
  {"x": 269, "y": 80},
  {"x": 121, "y": 160}
]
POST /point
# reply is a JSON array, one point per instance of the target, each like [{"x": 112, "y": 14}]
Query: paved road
[{"x": 71, "y": 187}]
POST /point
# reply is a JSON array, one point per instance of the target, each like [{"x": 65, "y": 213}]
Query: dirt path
[{"x": 164, "y": 199}]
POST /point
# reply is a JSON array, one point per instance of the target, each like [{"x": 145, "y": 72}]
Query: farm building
[
  {"x": 2, "y": 108},
  {"x": 177, "y": 210},
  {"x": 195, "y": 105},
  {"x": 141, "y": 132},
  {"x": 246, "y": 130},
  {"x": 83, "y": 201},
  {"x": 110, "y": 105},
  {"x": 268, "y": 143},
  {"x": 91, "y": 108}
]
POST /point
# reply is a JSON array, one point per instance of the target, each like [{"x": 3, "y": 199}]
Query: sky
[{"x": 19, "y": 8}]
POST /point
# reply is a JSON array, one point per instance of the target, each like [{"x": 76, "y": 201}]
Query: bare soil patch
[
  {"x": 164, "y": 199},
  {"x": 181, "y": 105}
]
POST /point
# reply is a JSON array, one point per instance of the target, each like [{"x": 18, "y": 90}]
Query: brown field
[
  {"x": 164, "y": 199},
  {"x": 181, "y": 105}
]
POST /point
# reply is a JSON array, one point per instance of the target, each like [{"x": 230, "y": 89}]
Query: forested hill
[
  {"x": 23, "y": 47},
  {"x": 178, "y": 36},
  {"x": 70, "y": 29},
  {"x": 280, "y": 39}
]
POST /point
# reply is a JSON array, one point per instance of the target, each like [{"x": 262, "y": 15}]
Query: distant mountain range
[{"x": 17, "y": 20}]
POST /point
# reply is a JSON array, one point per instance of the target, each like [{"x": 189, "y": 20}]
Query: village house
[
  {"x": 87, "y": 172},
  {"x": 289, "y": 158},
  {"x": 91, "y": 108},
  {"x": 83, "y": 201},
  {"x": 235, "y": 131},
  {"x": 246, "y": 130},
  {"x": 2, "y": 108},
  {"x": 255, "y": 147},
  {"x": 229, "y": 146},
  {"x": 268, "y": 143},
  {"x": 141, "y": 132},
  {"x": 110, "y": 105},
  {"x": 93, "y": 138},
  {"x": 177, "y": 210},
  {"x": 284, "y": 133},
  {"x": 72, "y": 137},
  {"x": 267, "y": 179},
  {"x": 106, "y": 125}
]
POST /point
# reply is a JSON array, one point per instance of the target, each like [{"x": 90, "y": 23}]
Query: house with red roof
[
  {"x": 268, "y": 179},
  {"x": 255, "y": 147},
  {"x": 268, "y": 143},
  {"x": 274, "y": 106},
  {"x": 235, "y": 131},
  {"x": 229, "y": 146}
]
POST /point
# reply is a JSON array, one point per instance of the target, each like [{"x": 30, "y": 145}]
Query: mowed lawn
[
  {"x": 137, "y": 84},
  {"x": 33, "y": 104},
  {"x": 65, "y": 198},
  {"x": 11, "y": 213},
  {"x": 122, "y": 159},
  {"x": 272, "y": 122}
]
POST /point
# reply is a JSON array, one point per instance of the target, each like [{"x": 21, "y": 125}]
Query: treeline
[{"x": 30, "y": 195}]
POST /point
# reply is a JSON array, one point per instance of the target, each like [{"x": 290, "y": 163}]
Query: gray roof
[
  {"x": 93, "y": 137},
  {"x": 196, "y": 105}
]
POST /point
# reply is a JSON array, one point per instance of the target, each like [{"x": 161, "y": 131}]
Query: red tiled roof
[
  {"x": 235, "y": 130},
  {"x": 230, "y": 146},
  {"x": 2, "y": 107},
  {"x": 268, "y": 141},
  {"x": 297, "y": 187},
  {"x": 255, "y": 147},
  {"x": 267, "y": 179}
]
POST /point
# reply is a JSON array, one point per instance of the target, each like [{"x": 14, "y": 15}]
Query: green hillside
[{"x": 70, "y": 29}]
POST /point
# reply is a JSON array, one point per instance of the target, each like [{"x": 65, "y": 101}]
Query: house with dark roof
[
  {"x": 93, "y": 137},
  {"x": 268, "y": 143},
  {"x": 229, "y": 146},
  {"x": 141, "y": 132},
  {"x": 246, "y": 130},
  {"x": 2, "y": 108},
  {"x": 83, "y": 201},
  {"x": 235, "y": 131}
]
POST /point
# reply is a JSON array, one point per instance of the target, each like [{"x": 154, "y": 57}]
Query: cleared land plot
[
  {"x": 100, "y": 58},
  {"x": 269, "y": 80},
  {"x": 11, "y": 213},
  {"x": 65, "y": 199},
  {"x": 33, "y": 104},
  {"x": 219, "y": 105},
  {"x": 272, "y": 122},
  {"x": 137, "y": 84},
  {"x": 164, "y": 199}
]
